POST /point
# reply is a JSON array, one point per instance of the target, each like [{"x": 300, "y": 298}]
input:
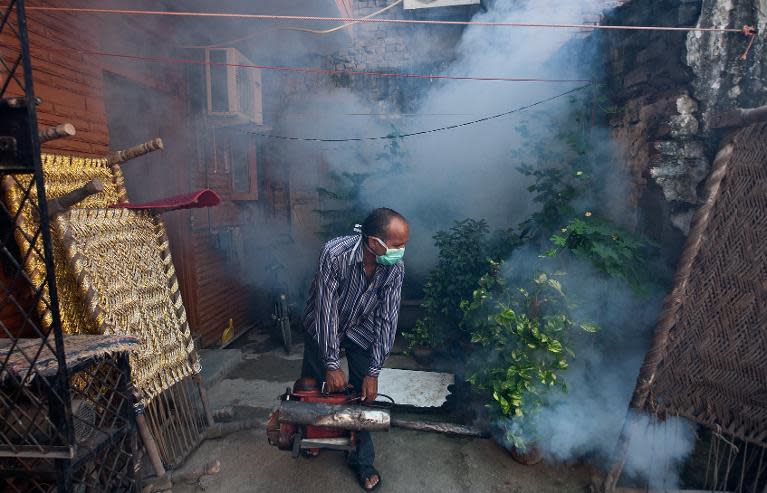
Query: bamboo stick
[
  {"x": 51, "y": 133},
  {"x": 184, "y": 413},
  {"x": 135, "y": 151},
  {"x": 204, "y": 398},
  {"x": 149, "y": 444}
]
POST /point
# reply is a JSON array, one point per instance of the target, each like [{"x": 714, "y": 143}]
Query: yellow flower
[
  {"x": 578, "y": 173},
  {"x": 588, "y": 214}
]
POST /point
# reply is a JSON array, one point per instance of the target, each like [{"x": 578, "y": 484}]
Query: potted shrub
[
  {"x": 523, "y": 338},
  {"x": 466, "y": 252}
]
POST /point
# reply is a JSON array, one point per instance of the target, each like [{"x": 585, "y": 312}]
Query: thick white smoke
[{"x": 471, "y": 172}]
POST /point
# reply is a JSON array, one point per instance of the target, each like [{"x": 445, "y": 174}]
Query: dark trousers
[{"x": 359, "y": 361}]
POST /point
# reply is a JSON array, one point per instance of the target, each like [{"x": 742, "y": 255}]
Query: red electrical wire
[
  {"x": 269, "y": 17},
  {"x": 314, "y": 70}
]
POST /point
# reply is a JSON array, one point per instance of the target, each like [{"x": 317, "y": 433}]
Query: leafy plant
[
  {"x": 568, "y": 168},
  {"x": 524, "y": 335},
  {"x": 610, "y": 249},
  {"x": 524, "y": 328},
  {"x": 466, "y": 253}
]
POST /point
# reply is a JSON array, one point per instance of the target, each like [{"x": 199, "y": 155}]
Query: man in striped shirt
[{"x": 354, "y": 303}]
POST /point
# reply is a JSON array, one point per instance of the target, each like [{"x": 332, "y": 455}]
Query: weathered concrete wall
[
  {"x": 668, "y": 86},
  {"x": 397, "y": 48}
]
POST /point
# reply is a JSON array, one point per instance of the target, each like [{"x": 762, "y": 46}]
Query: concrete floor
[{"x": 409, "y": 461}]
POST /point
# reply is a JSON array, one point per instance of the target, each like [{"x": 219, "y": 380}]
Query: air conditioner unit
[
  {"x": 233, "y": 87},
  {"x": 426, "y": 4}
]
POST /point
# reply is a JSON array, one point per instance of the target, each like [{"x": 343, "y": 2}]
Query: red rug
[{"x": 194, "y": 200}]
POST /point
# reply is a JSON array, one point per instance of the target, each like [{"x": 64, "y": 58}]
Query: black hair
[{"x": 378, "y": 221}]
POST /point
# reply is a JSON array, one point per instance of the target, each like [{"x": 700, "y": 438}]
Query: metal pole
[{"x": 60, "y": 389}]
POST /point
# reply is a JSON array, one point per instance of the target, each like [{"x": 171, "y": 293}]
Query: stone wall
[{"x": 666, "y": 87}]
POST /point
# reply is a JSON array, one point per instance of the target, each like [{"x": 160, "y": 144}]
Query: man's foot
[{"x": 368, "y": 477}]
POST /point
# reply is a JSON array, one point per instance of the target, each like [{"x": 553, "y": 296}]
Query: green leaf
[
  {"x": 554, "y": 346},
  {"x": 556, "y": 285},
  {"x": 560, "y": 241},
  {"x": 590, "y": 327}
]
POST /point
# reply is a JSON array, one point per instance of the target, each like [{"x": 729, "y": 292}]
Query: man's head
[{"x": 388, "y": 226}]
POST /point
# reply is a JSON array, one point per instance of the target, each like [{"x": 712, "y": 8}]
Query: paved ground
[{"x": 409, "y": 461}]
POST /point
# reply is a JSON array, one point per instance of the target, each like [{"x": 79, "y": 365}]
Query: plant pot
[
  {"x": 423, "y": 355},
  {"x": 531, "y": 456}
]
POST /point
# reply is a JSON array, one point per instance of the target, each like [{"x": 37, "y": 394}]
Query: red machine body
[{"x": 291, "y": 436}]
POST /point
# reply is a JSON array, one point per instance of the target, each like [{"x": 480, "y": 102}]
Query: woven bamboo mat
[
  {"x": 167, "y": 355},
  {"x": 123, "y": 269},
  {"x": 712, "y": 339},
  {"x": 62, "y": 175}
]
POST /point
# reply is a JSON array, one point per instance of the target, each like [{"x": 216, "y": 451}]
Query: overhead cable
[
  {"x": 747, "y": 30},
  {"x": 393, "y": 136}
]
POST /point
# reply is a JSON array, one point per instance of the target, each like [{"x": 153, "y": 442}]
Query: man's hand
[
  {"x": 369, "y": 389},
  {"x": 335, "y": 380}
]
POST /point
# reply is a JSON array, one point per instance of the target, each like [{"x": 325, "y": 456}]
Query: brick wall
[{"x": 70, "y": 86}]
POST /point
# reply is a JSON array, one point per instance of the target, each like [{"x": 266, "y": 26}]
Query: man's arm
[
  {"x": 326, "y": 312},
  {"x": 386, "y": 316}
]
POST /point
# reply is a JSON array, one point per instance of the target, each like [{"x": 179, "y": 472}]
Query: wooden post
[
  {"x": 117, "y": 157},
  {"x": 61, "y": 204},
  {"x": 203, "y": 397},
  {"x": 50, "y": 133},
  {"x": 135, "y": 151},
  {"x": 149, "y": 444}
]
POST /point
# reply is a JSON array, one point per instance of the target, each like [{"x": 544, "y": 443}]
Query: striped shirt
[{"x": 344, "y": 304}]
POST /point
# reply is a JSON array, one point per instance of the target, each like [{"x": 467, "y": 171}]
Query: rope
[
  {"x": 271, "y": 17},
  {"x": 313, "y": 70},
  {"x": 422, "y": 132}
]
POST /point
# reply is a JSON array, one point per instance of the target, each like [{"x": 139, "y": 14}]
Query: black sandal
[{"x": 366, "y": 472}]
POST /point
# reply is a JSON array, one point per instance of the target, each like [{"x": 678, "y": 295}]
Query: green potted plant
[
  {"x": 466, "y": 252},
  {"x": 523, "y": 337}
]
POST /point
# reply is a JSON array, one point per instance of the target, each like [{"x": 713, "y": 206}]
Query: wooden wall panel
[
  {"x": 219, "y": 293},
  {"x": 69, "y": 83}
]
